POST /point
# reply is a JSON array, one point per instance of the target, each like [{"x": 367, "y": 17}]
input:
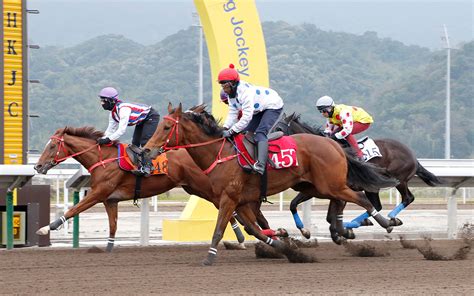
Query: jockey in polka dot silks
[
  {"x": 260, "y": 106},
  {"x": 344, "y": 121},
  {"x": 143, "y": 117}
]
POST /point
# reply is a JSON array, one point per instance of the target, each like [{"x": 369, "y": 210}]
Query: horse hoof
[
  {"x": 209, "y": 260},
  {"x": 366, "y": 222},
  {"x": 305, "y": 232},
  {"x": 349, "y": 234},
  {"x": 389, "y": 229},
  {"x": 281, "y": 232},
  {"x": 395, "y": 222},
  {"x": 338, "y": 240},
  {"x": 43, "y": 230}
]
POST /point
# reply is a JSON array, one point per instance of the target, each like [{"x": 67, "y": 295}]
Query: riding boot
[
  {"x": 145, "y": 165},
  {"x": 262, "y": 156}
]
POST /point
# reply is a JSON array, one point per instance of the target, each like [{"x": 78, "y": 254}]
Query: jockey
[
  {"x": 344, "y": 121},
  {"x": 143, "y": 117},
  {"x": 260, "y": 108}
]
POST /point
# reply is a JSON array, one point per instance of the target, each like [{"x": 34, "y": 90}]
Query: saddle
[
  {"x": 251, "y": 145},
  {"x": 129, "y": 158}
]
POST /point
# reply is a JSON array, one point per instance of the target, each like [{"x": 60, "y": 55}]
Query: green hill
[{"x": 403, "y": 87}]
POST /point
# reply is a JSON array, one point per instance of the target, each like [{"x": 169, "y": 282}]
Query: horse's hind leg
[
  {"x": 361, "y": 199},
  {"x": 334, "y": 218},
  {"x": 363, "y": 219},
  {"x": 407, "y": 198},
  {"x": 90, "y": 200},
  {"x": 111, "y": 208},
  {"x": 294, "y": 210}
]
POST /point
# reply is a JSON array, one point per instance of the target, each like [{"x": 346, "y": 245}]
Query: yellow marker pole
[
  {"x": 15, "y": 195},
  {"x": 233, "y": 35}
]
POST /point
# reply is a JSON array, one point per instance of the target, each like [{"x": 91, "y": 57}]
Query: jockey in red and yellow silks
[{"x": 344, "y": 121}]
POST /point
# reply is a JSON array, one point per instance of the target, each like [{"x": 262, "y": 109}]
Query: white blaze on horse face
[{"x": 47, "y": 144}]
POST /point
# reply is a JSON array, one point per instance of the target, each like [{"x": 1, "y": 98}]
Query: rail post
[
  {"x": 75, "y": 230},
  {"x": 9, "y": 219}
]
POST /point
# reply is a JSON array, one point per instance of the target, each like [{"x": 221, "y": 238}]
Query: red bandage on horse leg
[{"x": 268, "y": 232}]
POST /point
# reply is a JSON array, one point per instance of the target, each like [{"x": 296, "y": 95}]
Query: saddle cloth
[
  {"x": 160, "y": 163},
  {"x": 281, "y": 151},
  {"x": 369, "y": 148}
]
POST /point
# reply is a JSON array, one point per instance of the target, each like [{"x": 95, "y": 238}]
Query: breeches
[
  {"x": 145, "y": 130},
  {"x": 357, "y": 128},
  {"x": 262, "y": 123}
]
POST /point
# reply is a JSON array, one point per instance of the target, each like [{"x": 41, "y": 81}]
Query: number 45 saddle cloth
[{"x": 281, "y": 151}]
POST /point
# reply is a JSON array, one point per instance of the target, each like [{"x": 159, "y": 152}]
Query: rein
[
  {"x": 176, "y": 128},
  {"x": 61, "y": 146}
]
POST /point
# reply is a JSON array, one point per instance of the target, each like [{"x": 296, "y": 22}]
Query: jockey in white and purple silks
[{"x": 143, "y": 117}]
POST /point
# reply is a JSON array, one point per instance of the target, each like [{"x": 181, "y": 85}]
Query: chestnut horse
[
  {"x": 322, "y": 171},
  {"x": 110, "y": 184},
  {"x": 399, "y": 161}
]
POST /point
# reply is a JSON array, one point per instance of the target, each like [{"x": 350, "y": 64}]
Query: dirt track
[{"x": 176, "y": 270}]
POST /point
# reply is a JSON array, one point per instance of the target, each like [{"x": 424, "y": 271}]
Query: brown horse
[
  {"x": 110, "y": 184},
  {"x": 399, "y": 161},
  {"x": 322, "y": 171}
]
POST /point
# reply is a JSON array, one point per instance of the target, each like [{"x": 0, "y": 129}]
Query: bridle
[
  {"x": 62, "y": 147},
  {"x": 175, "y": 131}
]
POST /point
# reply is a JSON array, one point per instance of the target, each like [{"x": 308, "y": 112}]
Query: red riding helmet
[{"x": 228, "y": 74}]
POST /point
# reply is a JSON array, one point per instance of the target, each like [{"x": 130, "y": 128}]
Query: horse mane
[
  {"x": 88, "y": 132},
  {"x": 205, "y": 121},
  {"x": 297, "y": 119}
]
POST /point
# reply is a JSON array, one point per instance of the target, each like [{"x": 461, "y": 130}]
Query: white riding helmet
[{"x": 324, "y": 102}]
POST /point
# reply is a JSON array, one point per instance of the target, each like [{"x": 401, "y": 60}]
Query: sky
[{"x": 420, "y": 22}]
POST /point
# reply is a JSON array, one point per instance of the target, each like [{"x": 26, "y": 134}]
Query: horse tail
[
  {"x": 428, "y": 177},
  {"x": 366, "y": 175}
]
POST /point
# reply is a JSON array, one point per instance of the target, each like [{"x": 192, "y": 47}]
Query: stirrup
[
  {"x": 144, "y": 171},
  {"x": 258, "y": 169}
]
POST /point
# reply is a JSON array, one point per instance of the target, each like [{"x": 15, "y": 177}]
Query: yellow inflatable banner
[{"x": 233, "y": 35}]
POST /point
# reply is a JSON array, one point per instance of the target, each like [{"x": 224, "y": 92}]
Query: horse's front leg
[
  {"x": 91, "y": 199},
  {"x": 249, "y": 220},
  {"x": 363, "y": 219},
  {"x": 226, "y": 208},
  {"x": 111, "y": 206},
  {"x": 294, "y": 210},
  {"x": 238, "y": 233}
]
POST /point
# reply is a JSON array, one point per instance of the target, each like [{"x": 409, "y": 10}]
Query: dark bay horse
[
  {"x": 322, "y": 174},
  {"x": 110, "y": 184},
  {"x": 398, "y": 160}
]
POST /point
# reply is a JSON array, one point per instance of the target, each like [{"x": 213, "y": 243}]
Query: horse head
[
  {"x": 181, "y": 128},
  {"x": 61, "y": 147}
]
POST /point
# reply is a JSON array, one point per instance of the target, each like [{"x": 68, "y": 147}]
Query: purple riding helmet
[{"x": 108, "y": 97}]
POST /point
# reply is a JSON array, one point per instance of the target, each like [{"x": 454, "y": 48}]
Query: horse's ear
[
  {"x": 284, "y": 115},
  {"x": 170, "y": 107},
  {"x": 179, "y": 110},
  {"x": 200, "y": 108}
]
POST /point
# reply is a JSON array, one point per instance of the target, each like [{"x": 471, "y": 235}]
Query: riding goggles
[{"x": 326, "y": 109}]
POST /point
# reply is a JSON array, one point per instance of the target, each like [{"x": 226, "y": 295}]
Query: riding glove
[
  {"x": 228, "y": 133},
  {"x": 103, "y": 141}
]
